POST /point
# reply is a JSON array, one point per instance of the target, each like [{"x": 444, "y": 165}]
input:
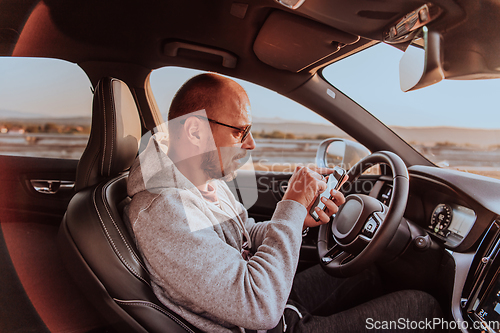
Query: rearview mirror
[{"x": 421, "y": 64}]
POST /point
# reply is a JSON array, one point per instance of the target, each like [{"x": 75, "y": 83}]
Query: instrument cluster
[{"x": 451, "y": 222}]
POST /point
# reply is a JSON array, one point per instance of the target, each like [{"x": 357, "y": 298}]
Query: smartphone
[{"x": 334, "y": 182}]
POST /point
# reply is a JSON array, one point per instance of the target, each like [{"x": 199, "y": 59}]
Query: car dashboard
[{"x": 461, "y": 212}]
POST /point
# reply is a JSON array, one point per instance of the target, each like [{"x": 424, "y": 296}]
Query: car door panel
[
  {"x": 19, "y": 201},
  {"x": 34, "y": 280}
]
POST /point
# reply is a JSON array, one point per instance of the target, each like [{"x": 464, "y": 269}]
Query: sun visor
[{"x": 292, "y": 42}]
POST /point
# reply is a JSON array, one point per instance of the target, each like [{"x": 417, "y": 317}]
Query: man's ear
[{"x": 192, "y": 129}]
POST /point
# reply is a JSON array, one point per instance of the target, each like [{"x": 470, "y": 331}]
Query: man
[{"x": 209, "y": 262}]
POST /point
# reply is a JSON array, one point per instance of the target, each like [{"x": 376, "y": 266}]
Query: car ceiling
[{"x": 138, "y": 32}]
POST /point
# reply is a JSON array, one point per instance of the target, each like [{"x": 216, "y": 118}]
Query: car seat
[{"x": 95, "y": 242}]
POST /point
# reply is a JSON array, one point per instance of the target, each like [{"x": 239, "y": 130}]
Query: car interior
[{"x": 69, "y": 260}]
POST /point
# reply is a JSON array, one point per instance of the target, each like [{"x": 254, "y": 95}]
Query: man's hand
[
  {"x": 305, "y": 185},
  {"x": 332, "y": 207}
]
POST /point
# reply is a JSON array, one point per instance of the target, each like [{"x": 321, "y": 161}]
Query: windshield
[{"x": 452, "y": 123}]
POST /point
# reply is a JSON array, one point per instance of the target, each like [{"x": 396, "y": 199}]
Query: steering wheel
[{"x": 363, "y": 226}]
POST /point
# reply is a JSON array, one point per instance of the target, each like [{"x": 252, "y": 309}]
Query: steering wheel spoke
[
  {"x": 345, "y": 258},
  {"x": 338, "y": 258},
  {"x": 327, "y": 256}
]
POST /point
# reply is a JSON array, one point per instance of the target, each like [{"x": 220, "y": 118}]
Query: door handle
[{"x": 51, "y": 186}]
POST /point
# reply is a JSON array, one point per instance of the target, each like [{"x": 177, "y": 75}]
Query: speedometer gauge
[{"x": 441, "y": 219}]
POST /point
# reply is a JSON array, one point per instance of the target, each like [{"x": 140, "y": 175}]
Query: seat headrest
[{"x": 114, "y": 137}]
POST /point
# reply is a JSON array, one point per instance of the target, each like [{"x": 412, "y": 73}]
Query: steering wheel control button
[{"x": 370, "y": 227}]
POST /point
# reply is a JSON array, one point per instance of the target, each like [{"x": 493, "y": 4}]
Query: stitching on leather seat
[
  {"x": 113, "y": 115},
  {"x": 138, "y": 261},
  {"x": 108, "y": 236},
  {"x": 156, "y": 307},
  {"x": 104, "y": 111}
]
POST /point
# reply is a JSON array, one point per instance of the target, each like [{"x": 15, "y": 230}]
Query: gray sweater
[{"x": 192, "y": 248}]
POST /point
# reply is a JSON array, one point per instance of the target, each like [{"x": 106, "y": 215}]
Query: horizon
[{"x": 258, "y": 119}]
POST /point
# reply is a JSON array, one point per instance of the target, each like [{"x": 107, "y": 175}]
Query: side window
[
  {"x": 45, "y": 108},
  {"x": 286, "y": 133}
]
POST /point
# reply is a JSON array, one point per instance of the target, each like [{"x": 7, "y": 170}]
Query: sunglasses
[{"x": 245, "y": 131}]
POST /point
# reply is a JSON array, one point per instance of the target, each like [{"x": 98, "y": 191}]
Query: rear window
[{"x": 45, "y": 108}]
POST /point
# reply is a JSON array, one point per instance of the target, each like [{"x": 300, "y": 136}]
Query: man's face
[{"x": 231, "y": 152}]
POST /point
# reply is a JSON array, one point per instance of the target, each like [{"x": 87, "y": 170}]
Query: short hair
[{"x": 202, "y": 92}]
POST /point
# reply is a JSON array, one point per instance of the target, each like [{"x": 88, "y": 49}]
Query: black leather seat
[{"x": 96, "y": 244}]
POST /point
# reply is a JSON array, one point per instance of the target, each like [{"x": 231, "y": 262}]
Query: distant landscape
[
  {"x": 44, "y": 125},
  {"x": 278, "y": 141},
  {"x": 426, "y": 136}
]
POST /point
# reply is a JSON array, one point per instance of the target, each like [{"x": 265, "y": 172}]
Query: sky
[
  {"x": 265, "y": 103},
  {"x": 59, "y": 88},
  {"x": 371, "y": 78},
  {"x": 48, "y": 87}
]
